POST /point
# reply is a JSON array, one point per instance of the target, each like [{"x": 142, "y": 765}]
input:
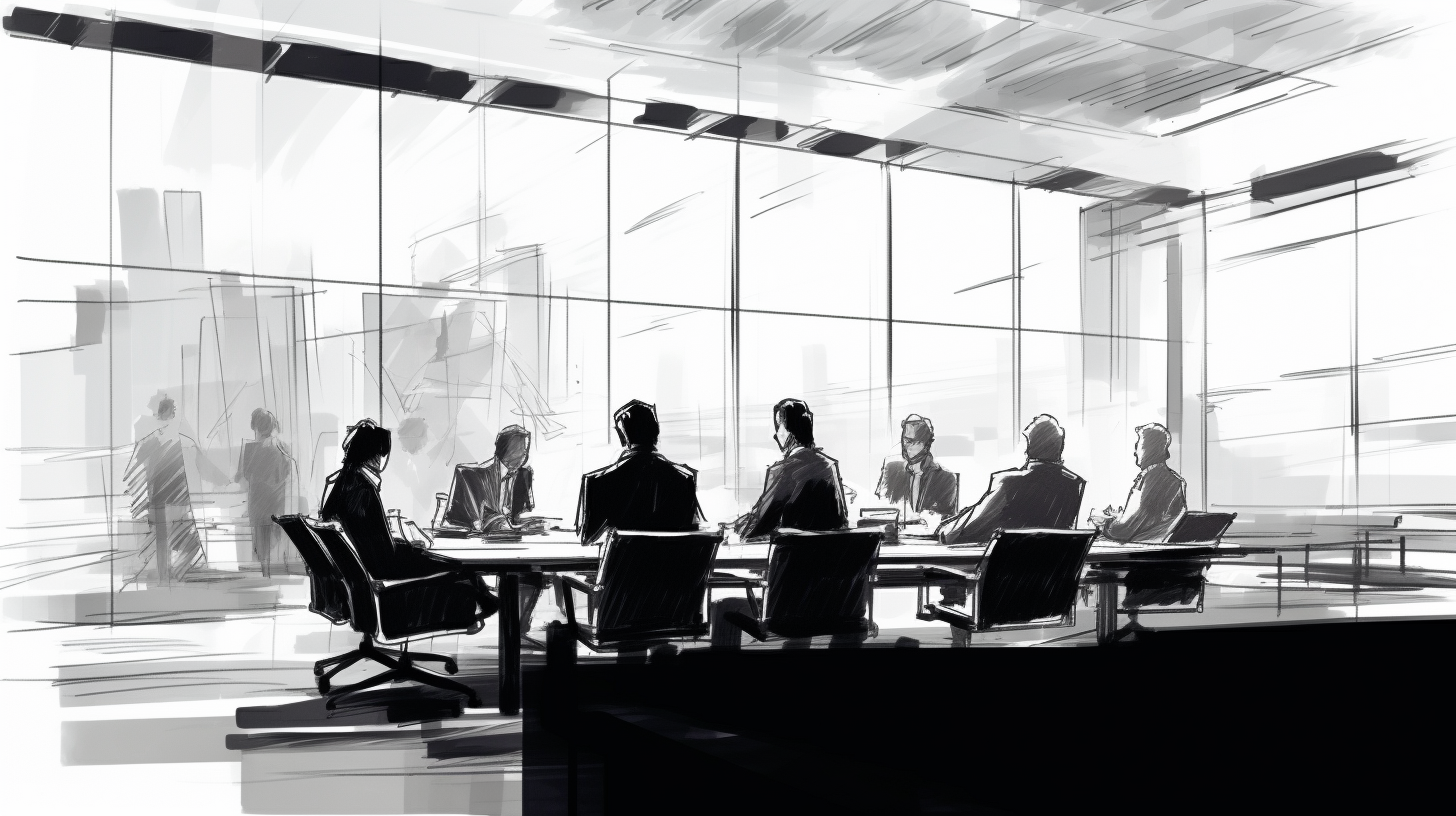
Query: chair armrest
[
  {"x": 573, "y": 582},
  {"x": 724, "y": 579},
  {"x": 448, "y": 576},
  {"x": 949, "y": 572},
  {"x": 956, "y": 617}
]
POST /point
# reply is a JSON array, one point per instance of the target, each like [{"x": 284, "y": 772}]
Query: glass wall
[
  {"x": 330, "y": 253},
  {"x": 1328, "y": 355}
]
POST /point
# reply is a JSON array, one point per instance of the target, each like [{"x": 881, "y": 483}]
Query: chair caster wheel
[
  {"x": 318, "y": 671},
  {"x": 451, "y": 667},
  {"x": 323, "y": 686},
  {"x": 474, "y": 702}
]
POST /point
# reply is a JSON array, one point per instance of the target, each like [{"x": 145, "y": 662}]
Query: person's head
[
  {"x": 166, "y": 408},
  {"x": 512, "y": 446},
  {"x": 1044, "y": 439},
  {"x": 637, "y": 424},
  {"x": 916, "y": 434},
  {"x": 793, "y": 424},
  {"x": 367, "y": 444},
  {"x": 1153, "y": 441},
  {"x": 413, "y": 433},
  {"x": 263, "y": 423}
]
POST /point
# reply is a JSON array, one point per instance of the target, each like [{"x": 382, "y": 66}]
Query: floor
[{"x": 201, "y": 698}]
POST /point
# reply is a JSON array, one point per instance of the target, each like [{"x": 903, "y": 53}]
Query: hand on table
[{"x": 1099, "y": 519}]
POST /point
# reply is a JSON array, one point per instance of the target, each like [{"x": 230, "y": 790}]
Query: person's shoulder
[
  {"x": 1161, "y": 472},
  {"x": 818, "y": 455},
  {"x": 665, "y": 464},
  {"x": 1067, "y": 473},
  {"x": 602, "y": 472},
  {"x": 1008, "y": 473}
]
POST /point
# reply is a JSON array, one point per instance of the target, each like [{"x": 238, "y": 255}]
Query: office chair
[
  {"x": 818, "y": 583},
  {"x": 385, "y": 612},
  {"x": 1026, "y": 580},
  {"x": 1194, "y": 527},
  {"x": 648, "y": 590},
  {"x": 1171, "y": 588}
]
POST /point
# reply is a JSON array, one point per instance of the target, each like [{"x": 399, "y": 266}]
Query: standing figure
[
  {"x": 267, "y": 469},
  {"x": 159, "y": 467}
]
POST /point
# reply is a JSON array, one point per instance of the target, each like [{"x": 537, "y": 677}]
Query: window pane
[
  {"x": 952, "y": 234},
  {"x": 672, "y": 218},
  {"x": 812, "y": 234},
  {"x": 838, "y": 367}
]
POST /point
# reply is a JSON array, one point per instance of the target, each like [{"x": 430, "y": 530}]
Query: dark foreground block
[{"x": 1333, "y": 717}]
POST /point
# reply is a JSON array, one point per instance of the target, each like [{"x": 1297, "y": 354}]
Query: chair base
[{"x": 400, "y": 665}]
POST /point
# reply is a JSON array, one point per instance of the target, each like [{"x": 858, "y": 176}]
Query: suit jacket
[
  {"x": 1153, "y": 506},
  {"x": 641, "y": 491},
  {"x": 1039, "y": 494},
  {"x": 802, "y": 491},
  {"x": 938, "y": 488},
  {"x": 475, "y": 495},
  {"x": 351, "y": 497}
]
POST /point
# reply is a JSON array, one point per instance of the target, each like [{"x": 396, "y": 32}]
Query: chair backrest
[
  {"x": 1194, "y": 526},
  {"x": 356, "y": 580},
  {"x": 1030, "y": 575},
  {"x": 328, "y": 595},
  {"x": 652, "y": 584},
  {"x": 818, "y": 582}
]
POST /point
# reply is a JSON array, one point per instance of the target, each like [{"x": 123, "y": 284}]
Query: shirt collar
[
  {"x": 372, "y": 475},
  {"x": 921, "y": 465},
  {"x": 794, "y": 451}
]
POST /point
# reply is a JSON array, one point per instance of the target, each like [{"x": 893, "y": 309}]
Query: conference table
[{"x": 512, "y": 556}]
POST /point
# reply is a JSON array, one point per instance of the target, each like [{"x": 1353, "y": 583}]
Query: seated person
[
  {"x": 491, "y": 495},
  {"x": 1041, "y": 493},
  {"x": 643, "y": 490},
  {"x": 915, "y": 479},
  {"x": 1157, "y": 498},
  {"x": 802, "y": 491},
  {"x": 351, "y": 498}
]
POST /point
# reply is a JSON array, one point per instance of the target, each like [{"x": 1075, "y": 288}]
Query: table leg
[
  {"x": 509, "y": 665},
  {"x": 1106, "y": 611}
]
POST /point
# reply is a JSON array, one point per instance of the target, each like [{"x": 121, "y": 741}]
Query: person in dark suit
[
  {"x": 267, "y": 467},
  {"x": 1041, "y": 493},
  {"x": 915, "y": 479},
  {"x": 351, "y": 498},
  {"x": 1158, "y": 495},
  {"x": 643, "y": 490},
  {"x": 802, "y": 491},
  {"x": 491, "y": 496}
]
